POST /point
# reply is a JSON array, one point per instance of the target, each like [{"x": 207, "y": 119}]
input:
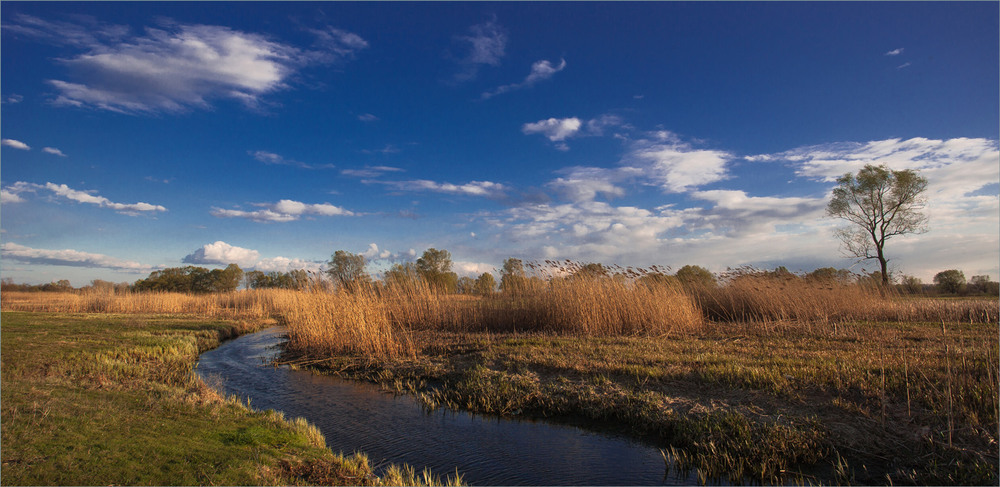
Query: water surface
[{"x": 356, "y": 416}]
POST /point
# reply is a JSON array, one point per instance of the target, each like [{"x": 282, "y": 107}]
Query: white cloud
[
  {"x": 69, "y": 257},
  {"x": 223, "y": 254},
  {"x": 585, "y": 183},
  {"x": 676, "y": 166},
  {"x": 283, "y": 211},
  {"x": 560, "y": 129},
  {"x": 486, "y": 46},
  {"x": 555, "y": 129},
  {"x": 177, "y": 66},
  {"x": 540, "y": 70},
  {"x": 473, "y": 269},
  {"x": 895, "y": 52},
  {"x": 12, "y": 195},
  {"x": 14, "y": 98},
  {"x": 85, "y": 197},
  {"x": 285, "y": 264},
  {"x": 17, "y": 144},
  {"x": 7, "y": 196},
  {"x": 373, "y": 252},
  {"x": 367, "y": 117},
  {"x": 485, "y": 189},
  {"x": 53, "y": 151}
]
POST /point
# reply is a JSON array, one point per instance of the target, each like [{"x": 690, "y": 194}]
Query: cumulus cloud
[
  {"x": 285, "y": 264},
  {"x": 558, "y": 130},
  {"x": 69, "y": 257},
  {"x": 540, "y": 70},
  {"x": 487, "y": 189},
  {"x": 373, "y": 253},
  {"x": 485, "y": 45},
  {"x": 283, "y": 211},
  {"x": 555, "y": 129},
  {"x": 17, "y": 144},
  {"x": 223, "y": 254},
  {"x": 177, "y": 66},
  {"x": 8, "y": 196},
  {"x": 676, "y": 166},
  {"x": 53, "y": 151}
]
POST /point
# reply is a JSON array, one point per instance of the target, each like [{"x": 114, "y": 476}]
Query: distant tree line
[
  {"x": 192, "y": 279},
  {"x": 346, "y": 271}
]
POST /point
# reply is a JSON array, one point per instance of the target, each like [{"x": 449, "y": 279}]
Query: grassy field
[
  {"x": 760, "y": 379},
  {"x": 97, "y": 399}
]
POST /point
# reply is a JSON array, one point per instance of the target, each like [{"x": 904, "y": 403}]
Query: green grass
[
  {"x": 872, "y": 403},
  {"x": 112, "y": 399}
]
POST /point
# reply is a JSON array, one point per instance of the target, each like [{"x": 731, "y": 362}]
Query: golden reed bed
[{"x": 377, "y": 321}]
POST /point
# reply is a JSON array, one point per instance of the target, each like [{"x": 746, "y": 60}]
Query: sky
[{"x": 138, "y": 136}]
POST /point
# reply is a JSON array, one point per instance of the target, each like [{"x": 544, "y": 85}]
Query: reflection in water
[{"x": 355, "y": 416}]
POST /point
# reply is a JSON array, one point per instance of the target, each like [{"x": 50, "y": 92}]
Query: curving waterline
[{"x": 355, "y": 416}]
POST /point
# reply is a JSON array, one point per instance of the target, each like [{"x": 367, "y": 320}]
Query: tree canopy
[
  {"x": 879, "y": 203},
  {"x": 192, "y": 279},
  {"x": 347, "y": 270}
]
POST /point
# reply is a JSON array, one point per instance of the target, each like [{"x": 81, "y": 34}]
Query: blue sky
[{"x": 144, "y": 135}]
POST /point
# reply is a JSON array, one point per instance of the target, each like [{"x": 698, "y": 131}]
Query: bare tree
[{"x": 880, "y": 204}]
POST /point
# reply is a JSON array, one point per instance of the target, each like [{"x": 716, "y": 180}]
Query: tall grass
[{"x": 377, "y": 320}]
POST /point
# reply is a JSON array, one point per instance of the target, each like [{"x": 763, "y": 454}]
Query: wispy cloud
[
  {"x": 904, "y": 65},
  {"x": 367, "y": 117},
  {"x": 17, "y": 144},
  {"x": 895, "y": 52},
  {"x": 69, "y": 257},
  {"x": 485, "y": 189},
  {"x": 283, "y": 211},
  {"x": 276, "y": 159},
  {"x": 14, "y": 98},
  {"x": 540, "y": 70},
  {"x": 53, "y": 151},
  {"x": 13, "y": 195},
  {"x": 369, "y": 171},
  {"x": 177, "y": 66},
  {"x": 485, "y": 45}
]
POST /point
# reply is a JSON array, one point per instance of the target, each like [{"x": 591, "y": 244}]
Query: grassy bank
[{"x": 112, "y": 399}]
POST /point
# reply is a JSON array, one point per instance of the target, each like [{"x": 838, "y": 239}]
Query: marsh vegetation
[{"x": 757, "y": 376}]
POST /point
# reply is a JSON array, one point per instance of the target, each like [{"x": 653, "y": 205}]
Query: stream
[{"x": 486, "y": 450}]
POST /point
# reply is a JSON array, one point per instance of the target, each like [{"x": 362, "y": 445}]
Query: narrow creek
[{"x": 355, "y": 416}]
